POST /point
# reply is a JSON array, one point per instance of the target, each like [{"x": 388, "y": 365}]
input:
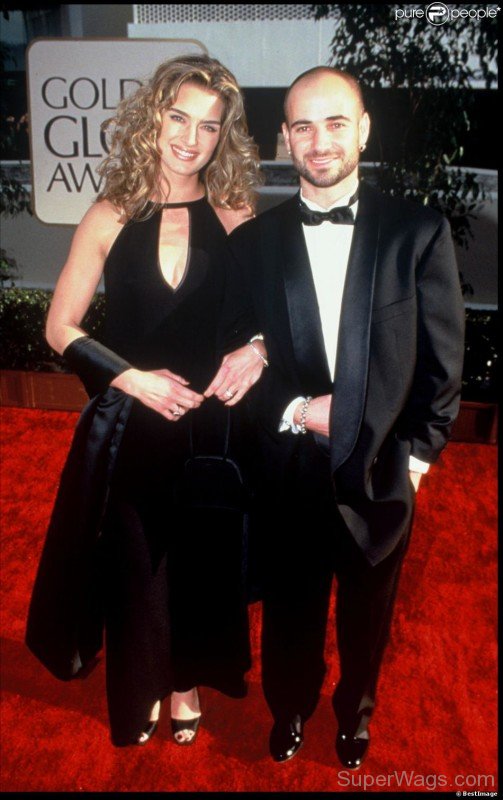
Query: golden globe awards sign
[{"x": 73, "y": 86}]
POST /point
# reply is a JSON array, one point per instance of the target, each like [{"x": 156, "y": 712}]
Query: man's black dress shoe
[
  {"x": 351, "y": 749},
  {"x": 286, "y": 738}
]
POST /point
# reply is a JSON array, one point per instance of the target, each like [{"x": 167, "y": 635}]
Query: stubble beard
[{"x": 332, "y": 176}]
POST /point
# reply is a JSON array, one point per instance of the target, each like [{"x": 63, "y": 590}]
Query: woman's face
[{"x": 190, "y": 131}]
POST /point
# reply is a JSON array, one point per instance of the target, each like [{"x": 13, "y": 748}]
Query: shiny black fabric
[
  {"x": 341, "y": 215},
  {"x": 65, "y": 619},
  {"x": 94, "y": 363}
]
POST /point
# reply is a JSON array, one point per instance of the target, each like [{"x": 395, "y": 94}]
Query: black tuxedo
[{"x": 396, "y": 393}]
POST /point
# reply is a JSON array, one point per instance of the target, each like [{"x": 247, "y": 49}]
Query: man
[{"x": 362, "y": 316}]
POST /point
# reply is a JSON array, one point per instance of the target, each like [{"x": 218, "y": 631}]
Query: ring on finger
[
  {"x": 229, "y": 394},
  {"x": 177, "y": 411}
]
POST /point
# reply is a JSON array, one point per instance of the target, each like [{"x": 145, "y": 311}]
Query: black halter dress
[{"x": 175, "y": 605}]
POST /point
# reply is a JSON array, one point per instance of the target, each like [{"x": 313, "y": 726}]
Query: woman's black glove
[{"x": 94, "y": 363}]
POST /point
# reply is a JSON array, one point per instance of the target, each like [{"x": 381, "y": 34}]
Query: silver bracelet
[
  {"x": 303, "y": 415},
  {"x": 264, "y": 359}
]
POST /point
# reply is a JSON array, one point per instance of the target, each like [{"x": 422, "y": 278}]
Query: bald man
[{"x": 358, "y": 297}]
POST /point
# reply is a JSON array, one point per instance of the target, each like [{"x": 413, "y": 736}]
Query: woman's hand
[
  {"x": 238, "y": 372},
  {"x": 161, "y": 390}
]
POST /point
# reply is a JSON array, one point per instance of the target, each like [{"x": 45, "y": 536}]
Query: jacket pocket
[{"x": 394, "y": 309}]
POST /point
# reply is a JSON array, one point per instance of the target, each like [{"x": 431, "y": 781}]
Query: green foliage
[
  {"x": 411, "y": 53},
  {"x": 22, "y": 319},
  {"x": 14, "y": 198},
  {"x": 12, "y": 131},
  {"x": 435, "y": 66},
  {"x": 8, "y": 269}
]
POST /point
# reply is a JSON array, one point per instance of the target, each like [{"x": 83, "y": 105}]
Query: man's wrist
[
  {"x": 297, "y": 412},
  {"x": 288, "y": 418},
  {"x": 304, "y": 408}
]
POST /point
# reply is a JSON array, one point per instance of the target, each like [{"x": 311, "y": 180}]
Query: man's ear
[
  {"x": 286, "y": 136},
  {"x": 364, "y": 129}
]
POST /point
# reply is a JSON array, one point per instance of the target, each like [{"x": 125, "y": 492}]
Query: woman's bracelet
[
  {"x": 303, "y": 415},
  {"x": 264, "y": 359}
]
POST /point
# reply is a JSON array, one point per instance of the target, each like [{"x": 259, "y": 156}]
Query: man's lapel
[
  {"x": 303, "y": 311},
  {"x": 353, "y": 346}
]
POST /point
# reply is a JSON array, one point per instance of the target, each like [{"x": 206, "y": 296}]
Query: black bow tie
[{"x": 342, "y": 215}]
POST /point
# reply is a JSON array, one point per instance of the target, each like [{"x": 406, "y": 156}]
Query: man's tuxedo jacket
[{"x": 399, "y": 358}]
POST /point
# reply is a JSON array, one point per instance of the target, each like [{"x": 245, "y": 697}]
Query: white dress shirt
[{"x": 328, "y": 247}]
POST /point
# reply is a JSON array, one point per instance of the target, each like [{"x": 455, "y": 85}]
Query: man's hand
[
  {"x": 238, "y": 372},
  {"x": 415, "y": 478},
  {"x": 317, "y": 417}
]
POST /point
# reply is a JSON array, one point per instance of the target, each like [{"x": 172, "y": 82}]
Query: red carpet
[{"x": 435, "y": 725}]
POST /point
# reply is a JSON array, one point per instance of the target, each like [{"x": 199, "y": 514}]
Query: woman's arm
[
  {"x": 81, "y": 275},
  {"x": 161, "y": 390}
]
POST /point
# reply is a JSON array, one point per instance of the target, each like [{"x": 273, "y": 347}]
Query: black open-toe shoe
[
  {"x": 147, "y": 732},
  {"x": 185, "y": 730}
]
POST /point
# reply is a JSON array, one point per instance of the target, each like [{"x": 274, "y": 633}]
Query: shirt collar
[{"x": 342, "y": 201}]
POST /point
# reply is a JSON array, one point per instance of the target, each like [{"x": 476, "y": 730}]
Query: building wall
[
  {"x": 259, "y": 53},
  {"x": 263, "y": 44},
  {"x": 97, "y": 19}
]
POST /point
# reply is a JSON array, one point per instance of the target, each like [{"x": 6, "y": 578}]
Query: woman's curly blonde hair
[{"x": 131, "y": 171}]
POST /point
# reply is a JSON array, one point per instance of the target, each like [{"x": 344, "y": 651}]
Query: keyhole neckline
[{"x": 183, "y": 204}]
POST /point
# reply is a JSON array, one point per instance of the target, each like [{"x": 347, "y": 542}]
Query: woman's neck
[{"x": 180, "y": 190}]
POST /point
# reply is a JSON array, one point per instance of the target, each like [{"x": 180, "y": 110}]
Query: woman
[{"x": 180, "y": 175}]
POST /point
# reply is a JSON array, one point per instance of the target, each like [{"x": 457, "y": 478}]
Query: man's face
[{"x": 325, "y": 128}]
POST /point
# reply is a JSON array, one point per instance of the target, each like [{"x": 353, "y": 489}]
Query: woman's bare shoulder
[
  {"x": 103, "y": 213},
  {"x": 232, "y": 217},
  {"x": 101, "y": 223}
]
